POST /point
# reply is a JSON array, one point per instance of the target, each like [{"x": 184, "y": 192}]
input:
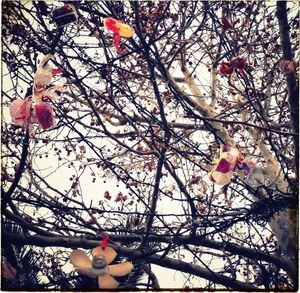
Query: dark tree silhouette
[{"x": 135, "y": 137}]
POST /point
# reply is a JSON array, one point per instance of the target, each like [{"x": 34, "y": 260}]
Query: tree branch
[
  {"x": 7, "y": 195},
  {"x": 292, "y": 86},
  {"x": 167, "y": 262}
]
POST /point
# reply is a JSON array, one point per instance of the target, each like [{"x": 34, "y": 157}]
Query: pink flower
[{"x": 24, "y": 114}]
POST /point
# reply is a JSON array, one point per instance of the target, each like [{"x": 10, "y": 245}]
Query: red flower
[
  {"x": 225, "y": 68},
  {"x": 44, "y": 114}
]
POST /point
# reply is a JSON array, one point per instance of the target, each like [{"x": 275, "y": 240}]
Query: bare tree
[{"x": 135, "y": 138}]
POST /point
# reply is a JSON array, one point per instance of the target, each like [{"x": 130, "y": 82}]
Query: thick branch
[
  {"x": 154, "y": 197},
  {"x": 250, "y": 253},
  {"x": 136, "y": 254},
  {"x": 292, "y": 86},
  {"x": 147, "y": 269}
]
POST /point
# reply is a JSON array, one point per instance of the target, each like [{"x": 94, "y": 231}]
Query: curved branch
[
  {"x": 255, "y": 254},
  {"x": 147, "y": 269}
]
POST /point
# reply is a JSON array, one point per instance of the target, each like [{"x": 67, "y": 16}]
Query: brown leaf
[
  {"x": 225, "y": 23},
  {"x": 287, "y": 66},
  {"x": 107, "y": 195}
]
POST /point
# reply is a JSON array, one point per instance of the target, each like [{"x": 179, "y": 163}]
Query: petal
[
  {"x": 210, "y": 175},
  {"x": 231, "y": 156},
  {"x": 20, "y": 111},
  {"x": 90, "y": 273},
  {"x": 238, "y": 62},
  {"x": 42, "y": 77},
  {"x": 225, "y": 68},
  {"x": 56, "y": 88},
  {"x": 111, "y": 24},
  {"x": 107, "y": 282},
  {"x": 120, "y": 269},
  {"x": 126, "y": 30},
  {"x": 117, "y": 38},
  {"x": 225, "y": 23},
  {"x": 56, "y": 71},
  {"x": 80, "y": 260},
  {"x": 108, "y": 253},
  {"x": 233, "y": 162},
  {"x": 45, "y": 59},
  {"x": 241, "y": 71},
  {"x": 232, "y": 151},
  {"x": 223, "y": 166},
  {"x": 44, "y": 114},
  {"x": 221, "y": 178}
]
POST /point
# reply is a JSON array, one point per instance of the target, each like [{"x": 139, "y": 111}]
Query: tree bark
[{"x": 292, "y": 86}]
